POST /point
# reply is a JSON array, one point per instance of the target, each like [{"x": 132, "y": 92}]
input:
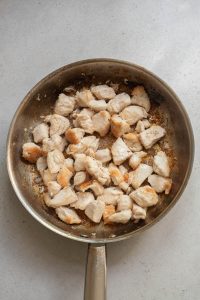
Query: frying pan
[{"x": 40, "y": 100}]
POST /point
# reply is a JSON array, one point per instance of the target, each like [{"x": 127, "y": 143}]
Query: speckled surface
[{"x": 37, "y": 37}]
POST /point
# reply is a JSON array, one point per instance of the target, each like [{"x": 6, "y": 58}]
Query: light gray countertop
[{"x": 37, "y": 37}]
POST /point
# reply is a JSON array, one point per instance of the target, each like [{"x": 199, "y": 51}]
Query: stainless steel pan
[{"x": 39, "y": 101}]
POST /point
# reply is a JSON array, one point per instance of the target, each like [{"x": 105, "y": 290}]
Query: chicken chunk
[
  {"x": 140, "y": 97},
  {"x": 161, "y": 164},
  {"x": 138, "y": 176},
  {"x": 93, "y": 185},
  {"x": 55, "y": 160},
  {"x": 83, "y": 200},
  {"x": 124, "y": 202},
  {"x": 145, "y": 196},
  {"x": 80, "y": 177},
  {"x": 75, "y": 149},
  {"x": 66, "y": 196},
  {"x": 55, "y": 142},
  {"x": 132, "y": 141},
  {"x": 53, "y": 188},
  {"x": 120, "y": 217},
  {"x": 118, "y": 103},
  {"x": 47, "y": 176},
  {"x": 103, "y": 92},
  {"x": 123, "y": 170},
  {"x": 138, "y": 212},
  {"x": 120, "y": 152},
  {"x": 41, "y": 164},
  {"x": 119, "y": 126},
  {"x": 96, "y": 169},
  {"x": 103, "y": 155},
  {"x": 136, "y": 159},
  {"x": 94, "y": 210},
  {"x": 84, "y": 121},
  {"x": 91, "y": 142},
  {"x": 40, "y": 132},
  {"x": 98, "y": 105},
  {"x": 151, "y": 136},
  {"x": 101, "y": 122},
  {"x": 142, "y": 125},
  {"x": 132, "y": 114},
  {"x": 31, "y": 152},
  {"x": 64, "y": 105},
  {"x": 64, "y": 176},
  {"x": 118, "y": 178},
  {"x": 110, "y": 195},
  {"x": 160, "y": 184},
  {"x": 69, "y": 163},
  {"x": 79, "y": 164},
  {"x": 59, "y": 124},
  {"x": 108, "y": 211},
  {"x": 68, "y": 215},
  {"x": 84, "y": 98},
  {"x": 74, "y": 135}
]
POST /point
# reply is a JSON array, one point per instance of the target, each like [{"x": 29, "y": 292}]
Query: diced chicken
[
  {"x": 124, "y": 202},
  {"x": 98, "y": 105},
  {"x": 108, "y": 211},
  {"x": 101, "y": 122},
  {"x": 84, "y": 98},
  {"x": 74, "y": 135},
  {"x": 80, "y": 177},
  {"x": 95, "y": 168},
  {"x": 123, "y": 170},
  {"x": 66, "y": 196},
  {"x": 69, "y": 163},
  {"x": 64, "y": 176},
  {"x": 118, "y": 103},
  {"x": 103, "y": 92},
  {"x": 119, "y": 126},
  {"x": 145, "y": 196},
  {"x": 160, "y": 184},
  {"x": 53, "y": 188},
  {"x": 151, "y": 136},
  {"x": 87, "y": 112},
  {"x": 93, "y": 185},
  {"x": 120, "y": 151},
  {"x": 115, "y": 174},
  {"x": 91, "y": 142},
  {"x": 79, "y": 164},
  {"x": 161, "y": 164},
  {"x": 103, "y": 155},
  {"x": 59, "y": 124},
  {"x": 84, "y": 121},
  {"x": 41, "y": 164},
  {"x": 64, "y": 105},
  {"x": 140, "y": 97},
  {"x": 142, "y": 125},
  {"x": 40, "y": 132},
  {"x": 132, "y": 141},
  {"x": 74, "y": 149},
  {"x": 136, "y": 159},
  {"x": 120, "y": 217},
  {"x": 138, "y": 176},
  {"x": 132, "y": 114},
  {"x": 53, "y": 143},
  {"x": 138, "y": 212},
  {"x": 83, "y": 200},
  {"x": 94, "y": 210},
  {"x": 55, "y": 160},
  {"x": 68, "y": 215},
  {"x": 110, "y": 195},
  {"x": 47, "y": 176},
  {"x": 31, "y": 152}
]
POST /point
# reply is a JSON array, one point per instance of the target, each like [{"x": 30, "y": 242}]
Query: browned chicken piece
[
  {"x": 68, "y": 215},
  {"x": 41, "y": 164},
  {"x": 142, "y": 125},
  {"x": 120, "y": 217},
  {"x": 55, "y": 160},
  {"x": 117, "y": 177},
  {"x": 118, "y": 103},
  {"x": 140, "y": 174},
  {"x": 108, "y": 211},
  {"x": 80, "y": 177},
  {"x": 160, "y": 184},
  {"x": 94, "y": 210},
  {"x": 83, "y": 200},
  {"x": 138, "y": 212},
  {"x": 75, "y": 149},
  {"x": 120, "y": 151},
  {"x": 110, "y": 195},
  {"x": 84, "y": 98},
  {"x": 85, "y": 121},
  {"x": 98, "y": 105},
  {"x": 59, "y": 124},
  {"x": 123, "y": 170},
  {"x": 53, "y": 188},
  {"x": 103, "y": 92},
  {"x": 65, "y": 196},
  {"x": 64, "y": 105},
  {"x": 79, "y": 164},
  {"x": 53, "y": 143},
  {"x": 101, "y": 122},
  {"x": 140, "y": 97},
  {"x": 91, "y": 142},
  {"x": 119, "y": 126},
  {"x": 136, "y": 159},
  {"x": 124, "y": 202},
  {"x": 93, "y": 185},
  {"x": 151, "y": 136},
  {"x": 96, "y": 169},
  {"x": 74, "y": 135},
  {"x": 40, "y": 132},
  {"x": 31, "y": 152},
  {"x": 161, "y": 164},
  {"x": 69, "y": 163},
  {"x": 103, "y": 155},
  {"x": 132, "y": 114},
  {"x": 132, "y": 141},
  {"x": 47, "y": 176},
  {"x": 64, "y": 176},
  {"x": 145, "y": 196}
]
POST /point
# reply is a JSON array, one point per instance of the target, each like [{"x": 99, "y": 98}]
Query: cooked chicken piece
[
  {"x": 55, "y": 160},
  {"x": 84, "y": 121},
  {"x": 90, "y": 152},
  {"x": 40, "y": 132},
  {"x": 87, "y": 112},
  {"x": 47, "y": 176},
  {"x": 124, "y": 202},
  {"x": 69, "y": 163},
  {"x": 120, "y": 217},
  {"x": 120, "y": 151},
  {"x": 145, "y": 196},
  {"x": 136, "y": 159},
  {"x": 68, "y": 215},
  {"x": 138, "y": 176},
  {"x": 95, "y": 168},
  {"x": 119, "y": 126},
  {"x": 94, "y": 210},
  {"x": 93, "y": 185},
  {"x": 87, "y": 143},
  {"x": 64, "y": 105},
  {"x": 140, "y": 97},
  {"x": 108, "y": 211},
  {"x": 110, "y": 195},
  {"x": 66, "y": 196},
  {"x": 152, "y": 135},
  {"x": 74, "y": 135},
  {"x": 161, "y": 164},
  {"x": 83, "y": 200},
  {"x": 142, "y": 125},
  {"x": 118, "y": 103},
  {"x": 123, "y": 170},
  {"x": 84, "y": 98},
  {"x": 64, "y": 176},
  {"x": 132, "y": 141},
  {"x": 160, "y": 184},
  {"x": 103, "y": 155},
  {"x": 31, "y": 152},
  {"x": 41, "y": 164},
  {"x": 53, "y": 188},
  {"x": 91, "y": 141},
  {"x": 53, "y": 143},
  {"x": 59, "y": 124},
  {"x": 138, "y": 212},
  {"x": 115, "y": 174},
  {"x": 74, "y": 149},
  {"x": 80, "y": 177},
  {"x": 132, "y": 114},
  {"x": 79, "y": 164},
  {"x": 103, "y": 92},
  {"x": 101, "y": 122},
  {"x": 98, "y": 105}
]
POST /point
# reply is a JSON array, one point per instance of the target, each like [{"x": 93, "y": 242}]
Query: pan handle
[{"x": 95, "y": 278}]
